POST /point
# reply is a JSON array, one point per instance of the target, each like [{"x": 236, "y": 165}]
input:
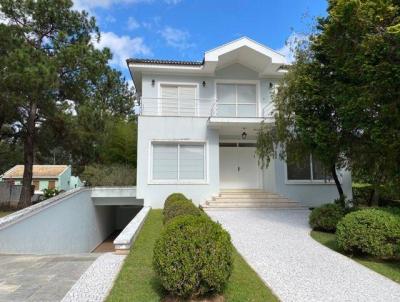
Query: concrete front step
[
  {"x": 241, "y": 191},
  {"x": 236, "y": 197},
  {"x": 256, "y": 200},
  {"x": 250, "y": 198},
  {"x": 274, "y": 205},
  {"x": 248, "y": 195},
  {"x": 251, "y": 208}
]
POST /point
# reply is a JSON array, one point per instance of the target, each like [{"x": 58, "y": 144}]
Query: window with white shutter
[
  {"x": 178, "y": 100},
  {"x": 178, "y": 162},
  {"x": 169, "y": 100},
  {"x": 191, "y": 162},
  {"x": 165, "y": 161}
]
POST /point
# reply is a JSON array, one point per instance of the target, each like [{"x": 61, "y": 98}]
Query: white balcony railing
[
  {"x": 176, "y": 107},
  {"x": 201, "y": 108}
]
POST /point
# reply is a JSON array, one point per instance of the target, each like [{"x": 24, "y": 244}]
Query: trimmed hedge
[
  {"x": 374, "y": 232},
  {"x": 173, "y": 197},
  {"x": 179, "y": 208},
  {"x": 193, "y": 257},
  {"x": 326, "y": 217}
]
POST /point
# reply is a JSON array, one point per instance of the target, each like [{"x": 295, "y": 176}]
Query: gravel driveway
[{"x": 276, "y": 243}]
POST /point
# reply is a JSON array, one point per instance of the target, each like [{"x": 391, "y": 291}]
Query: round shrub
[
  {"x": 326, "y": 217},
  {"x": 173, "y": 197},
  {"x": 193, "y": 257},
  {"x": 373, "y": 232},
  {"x": 179, "y": 208}
]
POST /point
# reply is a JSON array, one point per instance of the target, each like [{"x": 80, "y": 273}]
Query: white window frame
[
  {"x": 311, "y": 181},
  {"x": 187, "y": 84},
  {"x": 177, "y": 181},
  {"x": 238, "y": 82}
]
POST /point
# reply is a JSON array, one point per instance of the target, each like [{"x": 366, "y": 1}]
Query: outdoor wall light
[
  {"x": 153, "y": 82},
  {"x": 204, "y": 83},
  {"x": 244, "y": 135},
  {"x": 271, "y": 85}
]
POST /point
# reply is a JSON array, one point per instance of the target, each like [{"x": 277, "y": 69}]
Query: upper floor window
[
  {"x": 178, "y": 100},
  {"x": 237, "y": 100}
]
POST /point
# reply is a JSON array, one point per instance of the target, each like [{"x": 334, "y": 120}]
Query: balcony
[
  {"x": 176, "y": 107},
  {"x": 209, "y": 108}
]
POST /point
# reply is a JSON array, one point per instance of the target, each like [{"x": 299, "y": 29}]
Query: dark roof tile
[{"x": 165, "y": 62}]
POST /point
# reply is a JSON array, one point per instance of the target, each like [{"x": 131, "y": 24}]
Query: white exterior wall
[
  {"x": 234, "y": 72},
  {"x": 312, "y": 194},
  {"x": 177, "y": 129},
  {"x": 156, "y": 128}
]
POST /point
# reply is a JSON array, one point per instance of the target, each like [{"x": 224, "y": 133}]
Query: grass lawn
[
  {"x": 138, "y": 282},
  {"x": 5, "y": 213},
  {"x": 390, "y": 269}
]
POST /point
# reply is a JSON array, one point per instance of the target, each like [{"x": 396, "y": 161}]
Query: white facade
[{"x": 198, "y": 126}]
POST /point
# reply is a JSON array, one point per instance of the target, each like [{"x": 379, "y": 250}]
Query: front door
[{"x": 238, "y": 166}]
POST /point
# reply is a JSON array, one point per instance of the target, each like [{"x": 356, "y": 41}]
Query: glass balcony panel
[
  {"x": 246, "y": 110},
  {"x": 226, "y": 110}
]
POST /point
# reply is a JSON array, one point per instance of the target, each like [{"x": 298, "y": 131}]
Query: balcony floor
[{"x": 233, "y": 125}]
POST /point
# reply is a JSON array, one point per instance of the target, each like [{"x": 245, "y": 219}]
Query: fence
[{"x": 9, "y": 194}]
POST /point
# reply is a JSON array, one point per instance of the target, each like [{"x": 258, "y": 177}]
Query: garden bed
[
  {"x": 389, "y": 269},
  {"x": 137, "y": 280}
]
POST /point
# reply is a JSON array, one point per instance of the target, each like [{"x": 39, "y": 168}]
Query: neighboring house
[
  {"x": 198, "y": 124},
  {"x": 45, "y": 177}
]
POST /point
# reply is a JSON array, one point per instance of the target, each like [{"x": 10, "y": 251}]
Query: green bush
[
  {"x": 48, "y": 193},
  {"x": 173, "y": 197},
  {"x": 109, "y": 175},
  {"x": 362, "y": 195},
  {"x": 179, "y": 208},
  {"x": 374, "y": 232},
  {"x": 326, "y": 217},
  {"x": 193, "y": 257},
  {"x": 388, "y": 194}
]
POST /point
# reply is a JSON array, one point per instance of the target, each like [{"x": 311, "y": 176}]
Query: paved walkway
[
  {"x": 95, "y": 284},
  {"x": 40, "y": 278},
  {"x": 276, "y": 243}
]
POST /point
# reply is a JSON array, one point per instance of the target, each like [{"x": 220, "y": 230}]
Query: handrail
[
  {"x": 213, "y": 111},
  {"x": 268, "y": 110},
  {"x": 176, "y": 106},
  {"x": 179, "y": 98},
  {"x": 200, "y": 107}
]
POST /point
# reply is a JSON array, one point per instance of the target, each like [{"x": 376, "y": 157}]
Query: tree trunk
[
  {"x": 375, "y": 196},
  {"x": 26, "y": 192},
  {"x": 337, "y": 182},
  {"x": 2, "y": 121}
]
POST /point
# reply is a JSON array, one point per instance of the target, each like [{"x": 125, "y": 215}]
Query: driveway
[
  {"x": 40, "y": 278},
  {"x": 276, "y": 243}
]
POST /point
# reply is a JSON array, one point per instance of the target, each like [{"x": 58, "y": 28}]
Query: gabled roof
[
  {"x": 39, "y": 171},
  {"x": 276, "y": 57},
  {"x": 245, "y": 51}
]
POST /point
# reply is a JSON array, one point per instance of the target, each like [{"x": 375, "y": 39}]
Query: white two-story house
[{"x": 198, "y": 124}]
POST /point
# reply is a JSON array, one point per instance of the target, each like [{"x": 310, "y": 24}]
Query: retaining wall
[{"x": 67, "y": 223}]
